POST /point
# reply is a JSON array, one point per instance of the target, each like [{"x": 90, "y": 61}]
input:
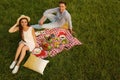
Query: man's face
[{"x": 62, "y": 7}]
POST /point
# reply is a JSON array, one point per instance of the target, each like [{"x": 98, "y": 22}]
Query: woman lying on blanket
[{"x": 28, "y": 41}]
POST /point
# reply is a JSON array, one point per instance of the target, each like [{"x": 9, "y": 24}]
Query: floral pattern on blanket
[{"x": 53, "y": 41}]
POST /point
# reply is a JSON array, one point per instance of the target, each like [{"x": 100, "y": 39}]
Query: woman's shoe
[
  {"x": 13, "y": 64},
  {"x": 15, "y": 70}
]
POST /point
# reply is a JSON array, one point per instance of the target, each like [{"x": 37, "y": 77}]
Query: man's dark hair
[{"x": 62, "y": 2}]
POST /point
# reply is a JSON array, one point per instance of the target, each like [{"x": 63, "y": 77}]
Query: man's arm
[
  {"x": 50, "y": 11},
  {"x": 42, "y": 20},
  {"x": 68, "y": 18},
  {"x": 70, "y": 22}
]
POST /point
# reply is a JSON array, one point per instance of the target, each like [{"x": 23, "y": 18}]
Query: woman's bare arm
[{"x": 14, "y": 29}]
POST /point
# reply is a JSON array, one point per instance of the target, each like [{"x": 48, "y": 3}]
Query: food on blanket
[
  {"x": 50, "y": 41},
  {"x": 37, "y": 50},
  {"x": 37, "y": 33},
  {"x": 42, "y": 32},
  {"x": 49, "y": 47},
  {"x": 46, "y": 46},
  {"x": 52, "y": 35},
  {"x": 62, "y": 35},
  {"x": 57, "y": 39},
  {"x": 56, "y": 44},
  {"x": 46, "y": 36},
  {"x": 41, "y": 54},
  {"x": 64, "y": 41},
  {"x": 49, "y": 38},
  {"x": 61, "y": 39}
]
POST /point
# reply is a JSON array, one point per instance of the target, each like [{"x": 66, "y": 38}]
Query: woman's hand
[{"x": 36, "y": 45}]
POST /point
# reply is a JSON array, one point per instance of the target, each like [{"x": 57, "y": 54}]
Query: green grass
[{"x": 97, "y": 25}]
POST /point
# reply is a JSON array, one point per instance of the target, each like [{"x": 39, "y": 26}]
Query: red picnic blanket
[{"x": 53, "y": 41}]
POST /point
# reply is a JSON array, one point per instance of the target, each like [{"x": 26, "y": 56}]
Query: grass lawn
[{"x": 97, "y": 26}]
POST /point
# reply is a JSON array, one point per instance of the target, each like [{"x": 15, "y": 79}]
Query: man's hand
[
  {"x": 70, "y": 30},
  {"x": 41, "y": 22}
]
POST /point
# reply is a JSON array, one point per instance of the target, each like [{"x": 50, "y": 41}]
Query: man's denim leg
[{"x": 36, "y": 26}]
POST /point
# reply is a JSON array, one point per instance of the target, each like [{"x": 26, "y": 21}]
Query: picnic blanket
[{"x": 53, "y": 41}]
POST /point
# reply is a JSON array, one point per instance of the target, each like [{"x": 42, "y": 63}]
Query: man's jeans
[{"x": 50, "y": 25}]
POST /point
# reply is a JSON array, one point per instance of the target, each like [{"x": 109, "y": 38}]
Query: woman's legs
[
  {"x": 17, "y": 55},
  {"x": 22, "y": 55},
  {"x": 21, "y": 45}
]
